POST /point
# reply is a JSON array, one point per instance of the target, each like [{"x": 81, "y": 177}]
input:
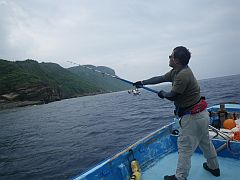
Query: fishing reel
[{"x": 134, "y": 91}]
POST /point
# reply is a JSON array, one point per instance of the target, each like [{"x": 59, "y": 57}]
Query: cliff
[{"x": 30, "y": 81}]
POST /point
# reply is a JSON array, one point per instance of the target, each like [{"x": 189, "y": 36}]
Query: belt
[{"x": 199, "y": 107}]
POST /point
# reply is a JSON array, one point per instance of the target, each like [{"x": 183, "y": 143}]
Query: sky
[{"x": 133, "y": 37}]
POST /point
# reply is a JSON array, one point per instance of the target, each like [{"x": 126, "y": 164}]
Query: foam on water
[{"x": 166, "y": 166}]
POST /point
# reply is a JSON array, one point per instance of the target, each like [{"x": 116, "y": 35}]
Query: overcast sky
[{"x": 134, "y": 37}]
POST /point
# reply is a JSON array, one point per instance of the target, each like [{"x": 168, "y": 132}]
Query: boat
[{"x": 155, "y": 155}]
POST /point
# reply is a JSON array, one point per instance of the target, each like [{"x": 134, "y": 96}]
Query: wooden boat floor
[{"x": 229, "y": 168}]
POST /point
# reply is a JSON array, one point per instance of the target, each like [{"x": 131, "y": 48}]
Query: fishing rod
[
  {"x": 114, "y": 76},
  {"x": 154, "y": 91}
]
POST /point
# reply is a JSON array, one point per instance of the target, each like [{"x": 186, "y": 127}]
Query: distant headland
[{"x": 28, "y": 82}]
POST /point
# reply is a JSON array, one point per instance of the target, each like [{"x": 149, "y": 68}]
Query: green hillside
[{"x": 32, "y": 81}]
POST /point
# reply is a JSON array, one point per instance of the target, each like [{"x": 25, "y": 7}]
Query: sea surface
[{"x": 59, "y": 140}]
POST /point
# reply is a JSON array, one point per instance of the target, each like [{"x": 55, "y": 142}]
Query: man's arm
[
  {"x": 154, "y": 80},
  {"x": 172, "y": 96}
]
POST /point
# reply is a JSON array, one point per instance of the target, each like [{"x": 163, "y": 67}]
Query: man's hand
[
  {"x": 161, "y": 94},
  {"x": 172, "y": 96},
  {"x": 138, "y": 84}
]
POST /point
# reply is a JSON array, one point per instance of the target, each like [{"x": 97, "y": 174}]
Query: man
[{"x": 191, "y": 109}]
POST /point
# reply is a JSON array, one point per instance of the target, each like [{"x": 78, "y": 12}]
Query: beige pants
[{"x": 194, "y": 133}]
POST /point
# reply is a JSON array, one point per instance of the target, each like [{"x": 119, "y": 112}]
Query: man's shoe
[
  {"x": 170, "y": 177},
  {"x": 215, "y": 172}
]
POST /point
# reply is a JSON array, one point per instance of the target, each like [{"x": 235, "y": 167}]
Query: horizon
[{"x": 110, "y": 68}]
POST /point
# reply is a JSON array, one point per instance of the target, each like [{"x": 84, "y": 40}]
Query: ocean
[{"x": 59, "y": 140}]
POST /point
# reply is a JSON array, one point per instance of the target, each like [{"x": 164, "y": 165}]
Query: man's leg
[
  {"x": 187, "y": 143},
  {"x": 205, "y": 143}
]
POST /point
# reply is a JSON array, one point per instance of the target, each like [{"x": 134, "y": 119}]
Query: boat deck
[{"x": 229, "y": 168}]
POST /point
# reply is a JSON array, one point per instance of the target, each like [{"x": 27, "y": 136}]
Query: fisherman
[
  {"x": 191, "y": 110},
  {"x": 222, "y": 114}
]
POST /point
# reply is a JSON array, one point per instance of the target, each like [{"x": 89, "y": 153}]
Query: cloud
[{"x": 133, "y": 37}]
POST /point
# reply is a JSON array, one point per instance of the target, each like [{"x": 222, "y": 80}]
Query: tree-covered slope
[{"x": 30, "y": 80}]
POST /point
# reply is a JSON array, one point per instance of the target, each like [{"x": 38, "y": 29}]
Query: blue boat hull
[{"x": 149, "y": 150}]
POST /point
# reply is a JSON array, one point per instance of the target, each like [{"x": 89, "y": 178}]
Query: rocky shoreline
[{"x": 10, "y": 105}]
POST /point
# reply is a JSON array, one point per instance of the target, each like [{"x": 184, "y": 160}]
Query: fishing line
[
  {"x": 113, "y": 76},
  {"x": 153, "y": 91}
]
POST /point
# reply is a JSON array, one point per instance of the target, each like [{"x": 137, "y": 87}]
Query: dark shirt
[{"x": 183, "y": 82}]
